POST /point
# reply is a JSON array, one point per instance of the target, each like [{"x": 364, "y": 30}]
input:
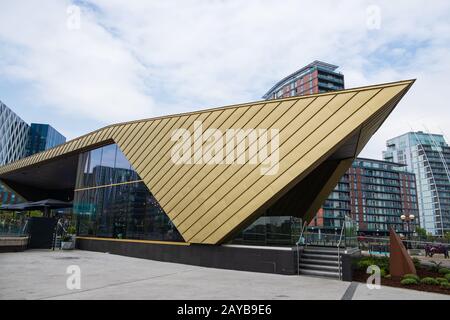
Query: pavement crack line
[
  {"x": 116, "y": 284},
  {"x": 350, "y": 292}
]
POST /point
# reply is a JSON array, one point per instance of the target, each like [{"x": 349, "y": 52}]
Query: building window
[{"x": 112, "y": 201}]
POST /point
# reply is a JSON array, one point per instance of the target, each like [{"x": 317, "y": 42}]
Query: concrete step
[
  {"x": 322, "y": 262},
  {"x": 318, "y": 273},
  {"x": 319, "y": 256},
  {"x": 320, "y": 251},
  {"x": 320, "y": 267}
]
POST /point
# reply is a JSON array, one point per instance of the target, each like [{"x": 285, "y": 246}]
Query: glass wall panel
[
  {"x": 271, "y": 230},
  {"x": 94, "y": 161},
  {"x": 124, "y": 172},
  {"x": 111, "y": 200},
  {"x": 108, "y": 164}
]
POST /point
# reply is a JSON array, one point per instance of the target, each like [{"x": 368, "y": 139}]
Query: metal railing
[
  {"x": 297, "y": 244},
  {"x": 381, "y": 245},
  {"x": 339, "y": 252}
]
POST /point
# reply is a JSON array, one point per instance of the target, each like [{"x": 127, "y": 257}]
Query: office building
[
  {"x": 13, "y": 139},
  {"x": 179, "y": 188},
  {"x": 316, "y": 77},
  {"x": 18, "y": 139},
  {"x": 428, "y": 156},
  {"x": 13, "y": 136},
  {"x": 43, "y": 137}
]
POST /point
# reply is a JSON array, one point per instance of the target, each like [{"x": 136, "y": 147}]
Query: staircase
[{"x": 320, "y": 262}]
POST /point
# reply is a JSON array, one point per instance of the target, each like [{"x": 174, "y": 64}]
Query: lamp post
[{"x": 408, "y": 219}]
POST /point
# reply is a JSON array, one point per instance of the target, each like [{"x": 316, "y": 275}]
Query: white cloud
[
  {"x": 84, "y": 72},
  {"x": 159, "y": 57}
]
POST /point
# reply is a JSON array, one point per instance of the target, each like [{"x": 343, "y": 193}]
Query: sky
[{"x": 81, "y": 65}]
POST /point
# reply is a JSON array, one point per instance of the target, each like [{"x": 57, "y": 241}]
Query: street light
[{"x": 408, "y": 219}]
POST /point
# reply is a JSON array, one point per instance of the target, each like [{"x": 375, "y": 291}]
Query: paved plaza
[{"x": 41, "y": 274}]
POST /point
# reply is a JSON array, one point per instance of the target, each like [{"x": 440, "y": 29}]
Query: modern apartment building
[
  {"x": 374, "y": 215},
  {"x": 428, "y": 156},
  {"x": 375, "y": 194},
  {"x": 43, "y": 137},
  {"x": 316, "y": 77}
]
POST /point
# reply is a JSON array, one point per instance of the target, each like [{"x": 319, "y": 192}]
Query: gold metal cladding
[{"x": 207, "y": 203}]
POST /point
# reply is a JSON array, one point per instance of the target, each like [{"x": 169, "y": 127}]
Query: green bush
[
  {"x": 411, "y": 276},
  {"x": 441, "y": 280},
  {"x": 445, "y": 285},
  {"x": 71, "y": 230},
  {"x": 66, "y": 238},
  {"x": 365, "y": 262},
  {"x": 444, "y": 270},
  {"x": 430, "y": 281},
  {"x": 417, "y": 263},
  {"x": 435, "y": 266},
  {"x": 447, "y": 276},
  {"x": 409, "y": 282}
]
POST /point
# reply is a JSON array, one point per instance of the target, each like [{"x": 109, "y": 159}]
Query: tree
[
  {"x": 447, "y": 236},
  {"x": 421, "y": 232}
]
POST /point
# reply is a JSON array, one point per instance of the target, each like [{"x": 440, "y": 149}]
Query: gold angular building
[{"x": 199, "y": 178}]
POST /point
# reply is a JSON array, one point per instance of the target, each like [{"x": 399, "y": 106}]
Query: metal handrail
[
  {"x": 298, "y": 250},
  {"x": 301, "y": 233},
  {"x": 339, "y": 251}
]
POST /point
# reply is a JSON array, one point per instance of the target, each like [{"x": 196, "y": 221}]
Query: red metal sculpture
[{"x": 400, "y": 263}]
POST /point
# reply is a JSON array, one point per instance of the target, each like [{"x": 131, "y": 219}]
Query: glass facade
[
  {"x": 43, "y": 137},
  {"x": 13, "y": 224},
  {"x": 9, "y": 197},
  {"x": 13, "y": 140},
  {"x": 428, "y": 156},
  {"x": 271, "y": 231},
  {"x": 112, "y": 201},
  {"x": 13, "y": 136}
]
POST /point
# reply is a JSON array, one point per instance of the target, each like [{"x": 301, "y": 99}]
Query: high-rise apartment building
[
  {"x": 43, "y": 137},
  {"x": 428, "y": 156},
  {"x": 316, "y": 77},
  {"x": 375, "y": 194}
]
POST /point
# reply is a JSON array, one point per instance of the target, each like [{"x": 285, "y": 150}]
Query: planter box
[
  {"x": 68, "y": 245},
  {"x": 13, "y": 244}
]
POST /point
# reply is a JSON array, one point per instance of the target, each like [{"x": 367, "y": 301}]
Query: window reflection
[
  {"x": 111, "y": 201},
  {"x": 270, "y": 230}
]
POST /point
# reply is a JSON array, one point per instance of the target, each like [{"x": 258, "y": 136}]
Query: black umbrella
[
  {"x": 14, "y": 207},
  {"x": 43, "y": 205},
  {"x": 48, "y": 203}
]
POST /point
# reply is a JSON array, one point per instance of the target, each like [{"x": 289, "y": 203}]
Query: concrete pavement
[{"x": 41, "y": 274}]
